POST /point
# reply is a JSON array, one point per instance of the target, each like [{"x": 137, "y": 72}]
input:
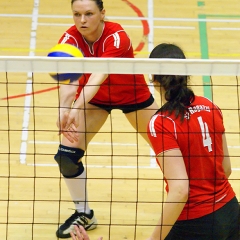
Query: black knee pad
[{"x": 67, "y": 159}]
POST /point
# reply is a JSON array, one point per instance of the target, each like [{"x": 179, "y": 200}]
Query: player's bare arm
[
  {"x": 88, "y": 92},
  {"x": 67, "y": 93},
  {"x": 174, "y": 171},
  {"x": 226, "y": 159}
]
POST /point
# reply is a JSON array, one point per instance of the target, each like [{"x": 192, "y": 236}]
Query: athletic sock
[{"x": 78, "y": 190}]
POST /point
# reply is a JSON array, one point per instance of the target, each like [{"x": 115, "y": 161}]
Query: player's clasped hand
[
  {"x": 80, "y": 234},
  {"x": 67, "y": 124}
]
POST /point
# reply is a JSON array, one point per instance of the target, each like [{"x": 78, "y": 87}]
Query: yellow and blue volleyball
[{"x": 65, "y": 50}]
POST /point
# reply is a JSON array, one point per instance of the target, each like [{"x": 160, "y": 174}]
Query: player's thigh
[
  {"x": 91, "y": 120},
  {"x": 140, "y": 119}
]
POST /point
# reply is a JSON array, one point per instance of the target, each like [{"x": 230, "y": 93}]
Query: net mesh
[{"x": 125, "y": 184}]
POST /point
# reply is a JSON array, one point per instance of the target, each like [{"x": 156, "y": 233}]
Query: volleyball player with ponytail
[{"x": 187, "y": 135}]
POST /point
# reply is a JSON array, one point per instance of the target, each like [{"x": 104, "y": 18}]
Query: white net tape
[{"x": 203, "y": 67}]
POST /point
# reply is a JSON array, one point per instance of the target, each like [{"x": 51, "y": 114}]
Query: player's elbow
[
  {"x": 182, "y": 191},
  {"x": 179, "y": 190},
  {"x": 228, "y": 172}
]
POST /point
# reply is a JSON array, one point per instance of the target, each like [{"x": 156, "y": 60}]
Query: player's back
[{"x": 200, "y": 141}]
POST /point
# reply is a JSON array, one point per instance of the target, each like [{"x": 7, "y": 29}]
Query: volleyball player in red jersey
[
  {"x": 94, "y": 96},
  {"x": 187, "y": 135}
]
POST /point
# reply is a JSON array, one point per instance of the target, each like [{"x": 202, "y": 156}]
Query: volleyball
[{"x": 65, "y": 50}]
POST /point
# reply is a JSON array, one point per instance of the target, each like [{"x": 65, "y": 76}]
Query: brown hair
[
  {"x": 98, "y": 2},
  {"x": 177, "y": 92}
]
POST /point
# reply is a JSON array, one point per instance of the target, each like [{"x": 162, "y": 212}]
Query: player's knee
[{"x": 68, "y": 161}]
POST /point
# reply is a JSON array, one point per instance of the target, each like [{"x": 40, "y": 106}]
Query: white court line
[
  {"x": 94, "y": 166},
  {"x": 27, "y": 103},
  {"x": 106, "y": 166},
  {"x": 150, "y": 19},
  {"x": 91, "y": 143},
  {"x": 126, "y": 18},
  {"x": 124, "y": 26},
  {"x": 225, "y": 29},
  {"x": 102, "y": 143},
  {"x": 175, "y": 27},
  {"x": 25, "y": 124}
]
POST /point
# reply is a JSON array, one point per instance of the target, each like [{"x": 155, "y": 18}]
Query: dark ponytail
[{"x": 177, "y": 94}]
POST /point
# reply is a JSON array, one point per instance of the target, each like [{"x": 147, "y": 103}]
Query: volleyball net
[{"x": 125, "y": 184}]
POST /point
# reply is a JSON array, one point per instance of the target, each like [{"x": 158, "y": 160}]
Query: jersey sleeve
[
  {"x": 162, "y": 134},
  {"x": 69, "y": 37},
  {"x": 116, "y": 44}
]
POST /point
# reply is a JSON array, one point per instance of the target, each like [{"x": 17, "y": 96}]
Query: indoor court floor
[{"x": 125, "y": 185}]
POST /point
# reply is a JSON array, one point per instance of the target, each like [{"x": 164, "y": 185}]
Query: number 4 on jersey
[{"x": 207, "y": 141}]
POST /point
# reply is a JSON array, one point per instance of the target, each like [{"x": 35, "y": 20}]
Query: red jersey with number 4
[
  {"x": 199, "y": 138},
  {"x": 117, "y": 89}
]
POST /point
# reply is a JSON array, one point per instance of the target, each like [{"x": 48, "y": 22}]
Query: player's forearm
[
  {"x": 67, "y": 96},
  {"x": 90, "y": 90},
  {"x": 87, "y": 93},
  {"x": 172, "y": 209}
]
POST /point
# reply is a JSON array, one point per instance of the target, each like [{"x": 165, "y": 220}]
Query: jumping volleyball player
[{"x": 94, "y": 96}]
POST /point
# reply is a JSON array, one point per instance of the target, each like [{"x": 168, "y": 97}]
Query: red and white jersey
[
  {"x": 117, "y": 89},
  {"x": 199, "y": 138}
]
